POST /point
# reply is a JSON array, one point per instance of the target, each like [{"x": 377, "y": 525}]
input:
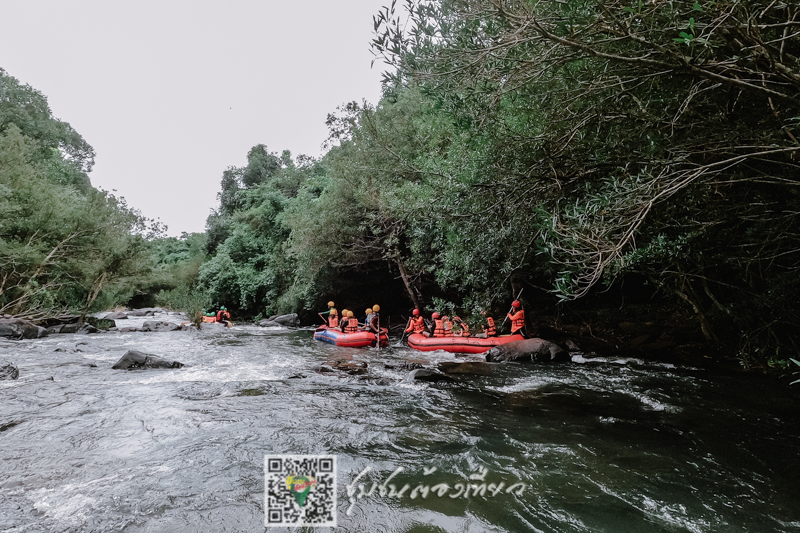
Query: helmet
[
  {"x": 376, "y": 308},
  {"x": 333, "y": 311},
  {"x": 349, "y": 314},
  {"x": 515, "y": 303},
  {"x": 456, "y": 318},
  {"x": 368, "y": 311},
  {"x": 223, "y": 308},
  {"x": 415, "y": 312},
  {"x": 435, "y": 315},
  {"x": 331, "y": 304}
]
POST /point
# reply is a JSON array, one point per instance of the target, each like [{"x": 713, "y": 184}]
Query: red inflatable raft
[
  {"x": 358, "y": 339},
  {"x": 454, "y": 344}
]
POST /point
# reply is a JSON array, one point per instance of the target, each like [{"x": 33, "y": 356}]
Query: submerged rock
[
  {"x": 474, "y": 368},
  {"x": 528, "y": 350},
  {"x": 8, "y": 371},
  {"x": 424, "y": 374},
  {"x": 145, "y": 311},
  {"x": 16, "y": 328},
  {"x": 134, "y": 359}
]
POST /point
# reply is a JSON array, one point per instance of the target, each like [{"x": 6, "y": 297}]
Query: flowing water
[{"x": 592, "y": 445}]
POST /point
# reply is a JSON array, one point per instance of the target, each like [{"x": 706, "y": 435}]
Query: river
[{"x": 607, "y": 445}]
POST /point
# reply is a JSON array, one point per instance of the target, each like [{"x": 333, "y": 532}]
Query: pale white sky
[{"x": 170, "y": 93}]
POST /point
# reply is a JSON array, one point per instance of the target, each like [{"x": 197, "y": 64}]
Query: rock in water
[
  {"x": 134, "y": 359},
  {"x": 423, "y": 374},
  {"x": 8, "y": 371},
  {"x": 16, "y": 328},
  {"x": 116, "y": 315},
  {"x": 156, "y": 325},
  {"x": 291, "y": 320},
  {"x": 528, "y": 350}
]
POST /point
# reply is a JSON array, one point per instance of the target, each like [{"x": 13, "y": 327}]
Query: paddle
[{"x": 400, "y": 342}]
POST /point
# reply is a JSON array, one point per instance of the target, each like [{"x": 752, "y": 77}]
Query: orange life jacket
[
  {"x": 438, "y": 328},
  {"x": 352, "y": 325},
  {"x": 517, "y": 320},
  {"x": 464, "y": 329},
  {"x": 491, "y": 330},
  {"x": 333, "y": 321},
  {"x": 448, "y": 327},
  {"x": 416, "y": 324}
]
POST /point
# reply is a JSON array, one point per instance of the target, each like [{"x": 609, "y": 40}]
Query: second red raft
[
  {"x": 455, "y": 344},
  {"x": 358, "y": 339}
]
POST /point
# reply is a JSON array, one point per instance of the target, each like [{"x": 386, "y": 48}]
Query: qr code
[{"x": 300, "y": 490}]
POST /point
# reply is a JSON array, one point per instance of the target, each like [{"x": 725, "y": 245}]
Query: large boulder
[
  {"x": 290, "y": 321},
  {"x": 286, "y": 321},
  {"x": 116, "y": 315},
  {"x": 134, "y": 359},
  {"x": 16, "y": 328},
  {"x": 8, "y": 371},
  {"x": 528, "y": 350},
  {"x": 158, "y": 325}
]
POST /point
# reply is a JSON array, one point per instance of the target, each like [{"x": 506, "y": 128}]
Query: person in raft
[
  {"x": 416, "y": 324},
  {"x": 438, "y": 326},
  {"x": 463, "y": 328},
  {"x": 373, "y": 320},
  {"x": 333, "y": 319},
  {"x": 517, "y": 318},
  {"x": 448, "y": 326},
  {"x": 489, "y": 330},
  {"x": 351, "y": 325},
  {"x": 331, "y": 305},
  {"x": 223, "y": 315}
]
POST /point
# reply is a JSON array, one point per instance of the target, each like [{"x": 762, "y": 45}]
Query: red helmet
[
  {"x": 415, "y": 312},
  {"x": 435, "y": 315},
  {"x": 515, "y": 303}
]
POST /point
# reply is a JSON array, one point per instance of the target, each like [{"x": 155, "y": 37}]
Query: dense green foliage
[
  {"x": 558, "y": 145},
  {"x": 63, "y": 244}
]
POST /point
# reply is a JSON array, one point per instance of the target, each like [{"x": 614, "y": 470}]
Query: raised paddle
[{"x": 400, "y": 342}]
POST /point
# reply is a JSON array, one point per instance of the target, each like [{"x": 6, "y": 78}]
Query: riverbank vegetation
[{"x": 592, "y": 154}]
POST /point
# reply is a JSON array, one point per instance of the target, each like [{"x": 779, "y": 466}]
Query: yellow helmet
[
  {"x": 331, "y": 304},
  {"x": 349, "y": 314},
  {"x": 368, "y": 311},
  {"x": 333, "y": 311},
  {"x": 376, "y": 308}
]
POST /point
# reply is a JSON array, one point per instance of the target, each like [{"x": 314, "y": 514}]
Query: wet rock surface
[
  {"x": 8, "y": 371},
  {"x": 17, "y": 328},
  {"x": 528, "y": 350},
  {"x": 134, "y": 359}
]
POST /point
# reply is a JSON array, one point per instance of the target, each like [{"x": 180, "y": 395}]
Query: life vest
[
  {"x": 438, "y": 328},
  {"x": 491, "y": 330},
  {"x": 333, "y": 321},
  {"x": 352, "y": 325},
  {"x": 517, "y": 320},
  {"x": 448, "y": 327},
  {"x": 417, "y": 325}
]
